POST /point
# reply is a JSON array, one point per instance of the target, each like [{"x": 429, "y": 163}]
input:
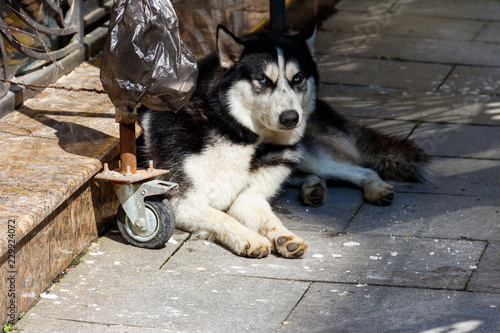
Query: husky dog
[
  {"x": 243, "y": 132},
  {"x": 237, "y": 139}
]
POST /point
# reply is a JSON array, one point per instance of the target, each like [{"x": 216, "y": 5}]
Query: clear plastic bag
[{"x": 144, "y": 59}]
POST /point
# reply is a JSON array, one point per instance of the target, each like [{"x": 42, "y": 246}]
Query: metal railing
[{"x": 38, "y": 33}]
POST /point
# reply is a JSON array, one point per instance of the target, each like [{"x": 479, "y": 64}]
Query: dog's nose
[{"x": 289, "y": 118}]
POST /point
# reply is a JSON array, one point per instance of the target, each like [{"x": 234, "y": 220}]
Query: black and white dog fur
[{"x": 254, "y": 119}]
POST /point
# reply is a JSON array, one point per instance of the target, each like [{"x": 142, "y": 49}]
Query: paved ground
[{"x": 428, "y": 263}]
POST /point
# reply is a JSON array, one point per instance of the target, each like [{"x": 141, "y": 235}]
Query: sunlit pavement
[{"x": 427, "y": 263}]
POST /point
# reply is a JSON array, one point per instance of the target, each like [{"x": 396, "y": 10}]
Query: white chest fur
[{"x": 219, "y": 173}]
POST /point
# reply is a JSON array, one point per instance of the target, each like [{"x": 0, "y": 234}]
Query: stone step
[{"x": 51, "y": 208}]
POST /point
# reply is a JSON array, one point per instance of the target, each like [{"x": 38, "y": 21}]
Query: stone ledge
[{"x": 52, "y": 146}]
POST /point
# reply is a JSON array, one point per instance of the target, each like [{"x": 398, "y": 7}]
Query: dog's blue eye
[
  {"x": 264, "y": 80},
  {"x": 297, "y": 78}
]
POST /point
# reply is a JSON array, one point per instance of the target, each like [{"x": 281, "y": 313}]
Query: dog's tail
[{"x": 392, "y": 157}]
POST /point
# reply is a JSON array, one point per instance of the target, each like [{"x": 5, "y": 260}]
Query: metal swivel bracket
[{"x": 131, "y": 197}]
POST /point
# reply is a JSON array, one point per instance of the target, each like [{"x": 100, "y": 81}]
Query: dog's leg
[
  {"x": 253, "y": 210},
  {"x": 210, "y": 223},
  {"x": 376, "y": 191}
]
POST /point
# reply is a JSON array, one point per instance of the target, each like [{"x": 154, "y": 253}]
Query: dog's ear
[
  {"x": 229, "y": 47},
  {"x": 308, "y": 34}
]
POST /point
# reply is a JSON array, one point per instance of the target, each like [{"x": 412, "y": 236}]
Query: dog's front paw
[
  {"x": 255, "y": 247},
  {"x": 313, "y": 191},
  {"x": 379, "y": 192},
  {"x": 289, "y": 245}
]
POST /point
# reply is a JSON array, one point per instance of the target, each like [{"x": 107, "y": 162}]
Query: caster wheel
[{"x": 160, "y": 224}]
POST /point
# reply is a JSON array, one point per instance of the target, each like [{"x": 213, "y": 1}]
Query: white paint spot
[
  {"x": 317, "y": 256},
  {"x": 263, "y": 300},
  {"x": 351, "y": 244},
  {"x": 48, "y": 296}
]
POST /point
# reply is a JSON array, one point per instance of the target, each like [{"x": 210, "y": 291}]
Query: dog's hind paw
[
  {"x": 379, "y": 193},
  {"x": 290, "y": 246}
]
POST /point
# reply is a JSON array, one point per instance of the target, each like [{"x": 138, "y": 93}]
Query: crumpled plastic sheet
[{"x": 144, "y": 60}]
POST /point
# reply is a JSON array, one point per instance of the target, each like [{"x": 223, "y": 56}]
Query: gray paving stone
[
  {"x": 33, "y": 323},
  {"x": 130, "y": 328},
  {"x": 365, "y": 5},
  {"x": 487, "y": 277},
  {"x": 345, "y": 308},
  {"x": 458, "y": 140},
  {"x": 432, "y": 27},
  {"x": 113, "y": 250},
  {"x": 459, "y": 176},
  {"x": 334, "y": 43},
  {"x": 168, "y": 300},
  {"x": 375, "y": 102},
  {"x": 359, "y": 21},
  {"x": 473, "y": 80},
  {"x": 381, "y": 73},
  {"x": 352, "y": 258},
  {"x": 431, "y": 50},
  {"x": 480, "y": 9},
  {"x": 490, "y": 33},
  {"x": 342, "y": 201},
  {"x": 425, "y": 215}
]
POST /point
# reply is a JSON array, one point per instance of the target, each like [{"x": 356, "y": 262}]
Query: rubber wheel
[{"x": 160, "y": 224}]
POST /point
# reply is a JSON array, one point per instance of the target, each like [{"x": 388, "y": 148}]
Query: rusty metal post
[{"x": 128, "y": 149}]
